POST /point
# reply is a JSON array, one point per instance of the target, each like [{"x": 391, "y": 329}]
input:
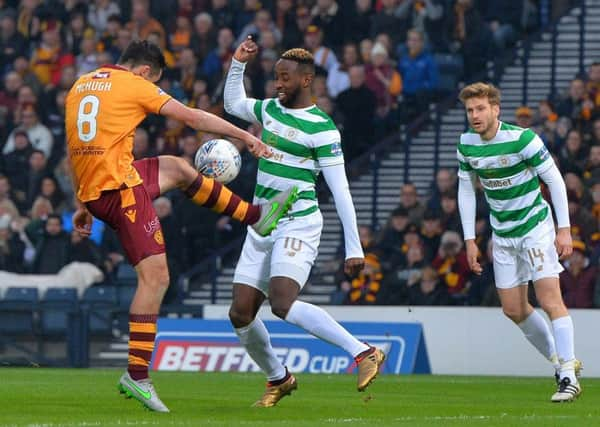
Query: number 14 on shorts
[{"x": 536, "y": 256}]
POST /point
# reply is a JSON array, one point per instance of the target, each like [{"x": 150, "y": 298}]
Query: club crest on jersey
[
  {"x": 504, "y": 161},
  {"x": 291, "y": 133},
  {"x": 160, "y": 91},
  {"x": 336, "y": 149}
]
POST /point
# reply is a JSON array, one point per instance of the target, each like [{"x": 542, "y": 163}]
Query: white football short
[
  {"x": 290, "y": 251},
  {"x": 532, "y": 257}
]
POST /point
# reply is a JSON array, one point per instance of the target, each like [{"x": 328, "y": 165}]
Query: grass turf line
[{"x": 89, "y": 397}]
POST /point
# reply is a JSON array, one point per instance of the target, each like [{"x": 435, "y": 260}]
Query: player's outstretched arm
[
  {"x": 467, "y": 203},
  {"x": 335, "y": 177},
  {"x": 558, "y": 192},
  {"x": 201, "y": 120},
  {"x": 235, "y": 100}
]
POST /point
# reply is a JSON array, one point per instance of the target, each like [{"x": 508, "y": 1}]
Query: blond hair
[
  {"x": 300, "y": 55},
  {"x": 480, "y": 90}
]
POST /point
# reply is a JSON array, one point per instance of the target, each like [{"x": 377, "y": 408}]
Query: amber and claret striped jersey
[{"x": 103, "y": 109}]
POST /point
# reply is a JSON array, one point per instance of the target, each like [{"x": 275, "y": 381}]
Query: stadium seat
[
  {"x": 101, "y": 303},
  {"x": 126, "y": 275},
  {"x": 17, "y": 311},
  {"x": 451, "y": 69},
  {"x": 54, "y": 310}
]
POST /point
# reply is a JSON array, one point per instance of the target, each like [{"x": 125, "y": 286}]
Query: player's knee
[
  {"x": 280, "y": 308},
  {"x": 158, "y": 281},
  {"x": 240, "y": 318},
  {"x": 515, "y": 314},
  {"x": 553, "y": 307}
]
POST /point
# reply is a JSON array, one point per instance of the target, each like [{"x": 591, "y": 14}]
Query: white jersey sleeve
[{"x": 234, "y": 97}]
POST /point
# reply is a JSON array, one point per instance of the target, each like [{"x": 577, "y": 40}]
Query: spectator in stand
[
  {"x": 429, "y": 290},
  {"x": 12, "y": 43},
  {"x": 35, "y": 229},
  {"x": 594, "y": 186},
  {"x": 594, "y": 136},
  {"x": 451, "y": 263},
  {"x": 420, "y": 75},
  {"x": 16, "y": 163},
  {"x": 504, "y": 21},
  {"x": 31, "y": 84},
  {"x": 8, "y": 101},
  {"x": 188, "y": 145},
  {"x": 573, "y": 155},
  {"x": 87, "y": 60},
  {"x": 12, "y": 248},
  {"x": 50, "y": 190},
  {"x": 445, "y": 180},
  {"x": 338, "y": 78},
  {"x": 469, "y": 37},
  {"x": 385, "y": 82},
  {"x": 284, "y": 17},
  {"x": 325, "y": 58},
  {"x": 583, "y": 224},
  {"x": 76, "y": 30},
  {"x": 329, "y": 16},
  {"x": 364, "y": 289},
  {"x": 167, "y": 142},
  {"x": 545, "y": 124},
  {"x": 429, "y": 18},
  {"x": 360, "y": 20},
  {"x": 579, "y": 279},
  {"x": 85, "y": 250},
  {"x": 576, "y": 105},
  {"x": 262, "y": 22},
  {"x": 409, "y": 200},
  {"x": 450, "y": 217},
  {"x": 593, "y": 84},
  {"x": 100, "y": 12},
  {"x": 387, "y": 21},
  {"x": 246, "y": 15},
  {"x": 592, "y": 165},
  {"x": 524, "y": 117},
  {"x": 431, "y": 233},
  {"x": 142, "y": 23},
  {"x": 141, "y": 144},
  {"x": 188, "y": 72},
  {"x": 38, "y": 169},
  {"x": 483, "y": 290},
  {"x": 204, "y": 37},
  {"x": 222, "y": 14},
  {"x": 182, "y": 36},
  {"x": 294, "y": 35},
  {"x": 7, "y": 206},
  {"x": 39, "y": 135},
  {"x": 53, "y": 251},
  {"x": 108, "y": 38},
  {"x": 49, "y": 58}
]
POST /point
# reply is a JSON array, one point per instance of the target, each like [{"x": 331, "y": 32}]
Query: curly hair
[{"x": 299, "y": 55}]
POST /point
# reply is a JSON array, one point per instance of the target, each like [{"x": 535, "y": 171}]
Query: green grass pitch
[{"x": 89, "y": 397}]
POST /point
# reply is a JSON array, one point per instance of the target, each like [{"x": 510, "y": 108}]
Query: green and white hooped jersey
[
  {"x": 508, "y": 167},
  {"x": 303, "y": 141}
]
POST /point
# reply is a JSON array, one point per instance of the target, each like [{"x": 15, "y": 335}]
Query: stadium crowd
[{"x": 380, "y": 63}]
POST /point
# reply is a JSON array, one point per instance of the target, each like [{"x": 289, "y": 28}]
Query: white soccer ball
[{"x": 218, "y": 159}]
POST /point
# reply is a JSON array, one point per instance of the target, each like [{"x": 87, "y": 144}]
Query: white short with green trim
[
  {"x": 532, "y": 257},
  {"x": 290, "y": 251}
]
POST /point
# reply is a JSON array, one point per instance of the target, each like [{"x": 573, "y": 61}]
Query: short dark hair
[
  {"x": 54, "y": 216},
  {"x": 142, "y": 52}
]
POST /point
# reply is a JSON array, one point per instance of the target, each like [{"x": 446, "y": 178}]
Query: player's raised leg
[
  {"x": 153, "y": 281},
  {"x": 255, "y": 338},
  {"x": 175, "y": 172},
  {"x": 550, "y": 299},
  {"x": 283, "y": 294}
]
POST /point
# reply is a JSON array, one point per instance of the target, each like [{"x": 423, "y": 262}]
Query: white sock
[
  {"x": 565, "y": 346},
  {"x": 537, "y": 331},
  {"x": 319, "y": 323},
  {"x": 255, "y": 338}
]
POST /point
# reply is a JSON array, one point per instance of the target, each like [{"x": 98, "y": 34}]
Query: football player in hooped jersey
[
  {"x": 103, "y": 108},
  {"x": 509, "y": 161},
  {"x": 305, "y": 142}
]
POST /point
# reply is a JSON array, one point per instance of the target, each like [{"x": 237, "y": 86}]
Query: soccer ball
[{"x": 218, "y": 159}]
